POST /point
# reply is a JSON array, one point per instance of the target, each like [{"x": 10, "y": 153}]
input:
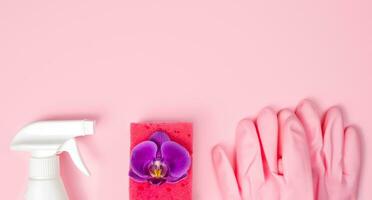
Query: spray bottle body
[
  {"x": 48, "y": 189},
  {"x": 45, "y": 182}
]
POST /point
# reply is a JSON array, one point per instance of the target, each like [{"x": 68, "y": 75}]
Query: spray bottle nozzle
[{"x": 48, "y": 138}]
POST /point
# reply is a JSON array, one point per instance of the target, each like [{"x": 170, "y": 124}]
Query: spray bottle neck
[{"x": 44, "y": 168}]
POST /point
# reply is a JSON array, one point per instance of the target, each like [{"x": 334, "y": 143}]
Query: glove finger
[
  {"x": 283, "y": 115},
  {"x": 296, "y": 157},
  {"x": 311, "y": 121},
  {"x": 333, "y": 143},
  {"x": 352, "y": 155},
  {"x": 225, "y": 175},
  {"x": 267, "y": 124},
  {"x": 248, "y": 157}
]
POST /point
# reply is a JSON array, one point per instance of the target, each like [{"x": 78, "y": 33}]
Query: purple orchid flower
[{"x": 159, "y": 160}]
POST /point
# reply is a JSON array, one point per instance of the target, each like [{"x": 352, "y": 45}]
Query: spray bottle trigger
[{"x": 70, "y": 146}]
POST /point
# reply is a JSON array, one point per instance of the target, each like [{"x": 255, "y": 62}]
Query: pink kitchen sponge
[{"x": 179, "y": 134}]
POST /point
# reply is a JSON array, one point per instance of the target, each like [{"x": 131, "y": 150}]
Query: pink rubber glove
[
  {"x": 267, "y": 169},
  {"x": 335, "y": 152}
]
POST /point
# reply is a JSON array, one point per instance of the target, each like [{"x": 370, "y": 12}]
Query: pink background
[{"x": 209, "y": 62}]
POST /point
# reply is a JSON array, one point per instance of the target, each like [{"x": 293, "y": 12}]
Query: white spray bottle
[{"x": 46, "y": 140}]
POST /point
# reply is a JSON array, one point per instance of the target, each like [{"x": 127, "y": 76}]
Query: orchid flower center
[{"x": 158, "y": 169}]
